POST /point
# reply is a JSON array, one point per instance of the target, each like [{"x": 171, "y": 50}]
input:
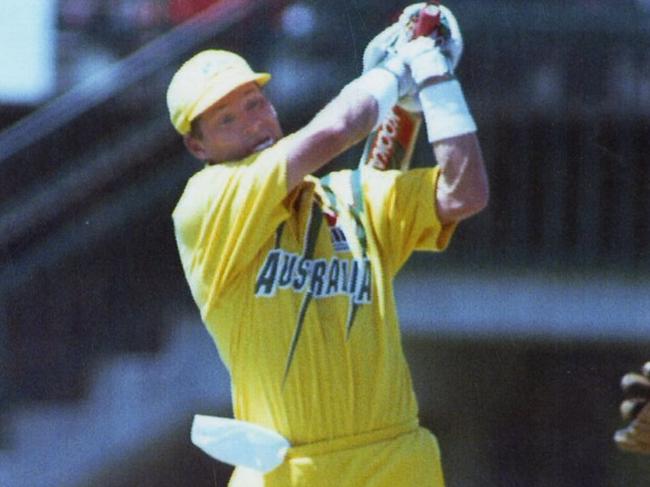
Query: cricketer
[{"x": 293, "y": 274}]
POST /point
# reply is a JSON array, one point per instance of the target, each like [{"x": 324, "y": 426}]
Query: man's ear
[{"x": 195, "y": 146}]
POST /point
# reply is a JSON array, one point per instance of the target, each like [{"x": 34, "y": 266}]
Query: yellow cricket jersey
[{"x": 297, "y": 289}]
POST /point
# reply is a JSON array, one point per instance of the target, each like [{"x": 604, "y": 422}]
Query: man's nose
[{"x": 252, "y": 124}]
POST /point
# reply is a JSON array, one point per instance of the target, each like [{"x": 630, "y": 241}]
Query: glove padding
[
  {"x": 381, "y": 52},
  {"x": 635, "y": 408},
  {"x": 390, "y": 49}
]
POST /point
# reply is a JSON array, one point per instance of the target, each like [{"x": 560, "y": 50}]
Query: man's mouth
[{"x": 263, "y": 144}]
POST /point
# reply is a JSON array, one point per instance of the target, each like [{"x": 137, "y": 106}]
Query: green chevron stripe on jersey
[
  {"x": 357, "y": 209},
  {"x": 313, "y": 228},
  {"x": 278, "y": 235}
]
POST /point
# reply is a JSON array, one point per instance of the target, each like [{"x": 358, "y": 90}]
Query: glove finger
[
  {"x": 454, "y": 45},
  {"x": 379, "y": 47},
  {"x": 636, "y": 436},
  {"x": 414, "y": 48},
  {"x": 452, "y": 24},
  {"x": 630, "y": 408},
  {"x": 635, "y": 385},
  {"x": 409, "y": 13},
  {"x": 407, "y": 21},
  {"x": 646, "y": 369},
  {"x": 627, "y": 439}
]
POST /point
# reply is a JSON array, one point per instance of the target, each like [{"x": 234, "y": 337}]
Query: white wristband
[
  {"x": 445, "y": 111},
  {"x": 382, "y": 85}
]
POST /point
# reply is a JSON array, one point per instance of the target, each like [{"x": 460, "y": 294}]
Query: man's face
[{"x": 238, "y": 125}]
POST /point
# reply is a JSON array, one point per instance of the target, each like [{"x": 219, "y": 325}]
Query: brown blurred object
[{"x": 635, "y": 408}]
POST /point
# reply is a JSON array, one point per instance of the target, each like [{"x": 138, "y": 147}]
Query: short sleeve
[
  {"x": 402, "y": 213},
  {"x": 225, "y": 216}
]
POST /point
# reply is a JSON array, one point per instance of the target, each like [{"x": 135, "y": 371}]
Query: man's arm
[
  {"x": 463, "y": 185},
  {"x": 351, "y": 116},
  {"x": 343, "y": 122}
]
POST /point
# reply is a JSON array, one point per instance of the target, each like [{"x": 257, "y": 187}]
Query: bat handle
[{"x": 428, "y": 20}]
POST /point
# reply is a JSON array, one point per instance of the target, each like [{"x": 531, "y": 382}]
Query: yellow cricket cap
[{"x": 203, "y": 80}]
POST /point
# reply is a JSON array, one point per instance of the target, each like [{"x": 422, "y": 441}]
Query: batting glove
[
  {"x": 432, "y": 62},
  {"x": 635, "y": 408},
  {"x": 386, "y": 42},
  {"x": 444, "y": 50},
  {"x": 381, "y": 53},
  {"x": 424, "y": 59},
  {"x": 388, "y": 50},
  {"x": 451, "y": 40},
  {"x": 448, "y": 37}
]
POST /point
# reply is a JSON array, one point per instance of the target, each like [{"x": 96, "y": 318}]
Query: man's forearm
[
  {"x": 343, "y": 122},
  {"x": 350, "y": 116},
  {"x": 463, "y": 188}
]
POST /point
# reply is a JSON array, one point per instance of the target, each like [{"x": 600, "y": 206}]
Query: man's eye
[
  {"x": 226, "y": 119},
  {"x": 255, "y": 104}
]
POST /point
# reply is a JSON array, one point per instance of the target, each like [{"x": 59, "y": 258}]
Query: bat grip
[{"x": 428, "y": 20}]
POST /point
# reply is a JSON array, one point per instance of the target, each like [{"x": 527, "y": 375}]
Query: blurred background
[{"x": 517, "y": 335}]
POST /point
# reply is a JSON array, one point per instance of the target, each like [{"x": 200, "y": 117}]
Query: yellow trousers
[{"x": 404, "y": 455}]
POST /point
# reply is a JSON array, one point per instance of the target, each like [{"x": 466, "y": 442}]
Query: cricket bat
[{"x": 391, "y": 145}]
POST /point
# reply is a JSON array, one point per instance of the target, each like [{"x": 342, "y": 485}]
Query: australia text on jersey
[{"x": 323, "y": 278}]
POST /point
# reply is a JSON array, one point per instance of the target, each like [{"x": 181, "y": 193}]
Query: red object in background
[{"x": 182, "y": 10}]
